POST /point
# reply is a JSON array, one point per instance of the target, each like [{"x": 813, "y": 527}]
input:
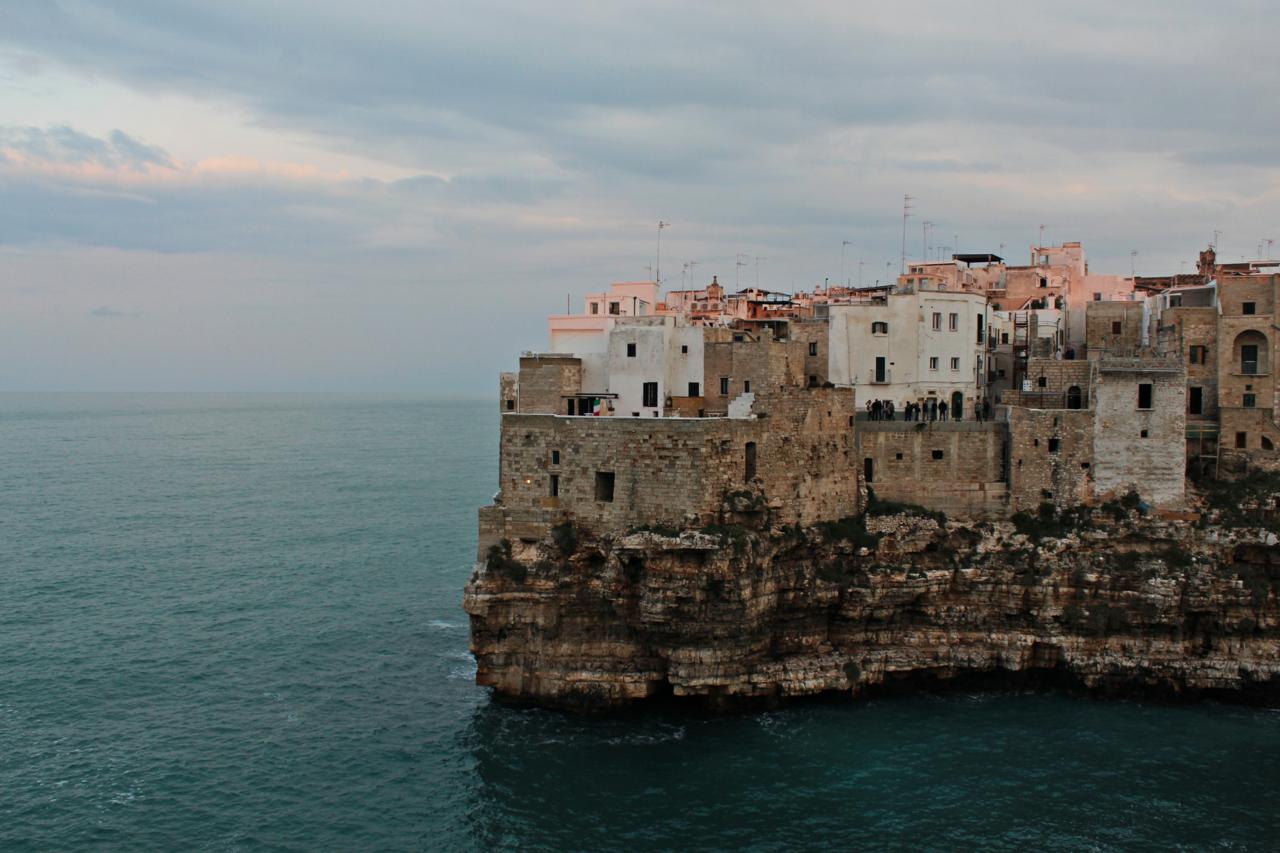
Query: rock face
[{"x": 736, "y": 616}]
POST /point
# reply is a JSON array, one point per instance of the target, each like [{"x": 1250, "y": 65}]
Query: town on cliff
[{"x": 970, "y": 394}]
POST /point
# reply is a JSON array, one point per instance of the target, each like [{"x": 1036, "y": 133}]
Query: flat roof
[{"x": 977, "y": 258}]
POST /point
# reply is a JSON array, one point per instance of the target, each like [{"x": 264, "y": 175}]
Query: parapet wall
[{"x": 955, "y": 467}]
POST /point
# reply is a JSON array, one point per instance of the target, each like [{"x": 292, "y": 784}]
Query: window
[
  {"x": 555, "y": 457},
  {"x": 1249, "y": 359},
  {"x": 1115, "y": 327},
  {"x": 1248, "y": 307},
  {"x": 555, "y": 486},
  {"x": 746, "y": 386},
  {"x": 981, "y": 328},
  {"x": 955, "y": 364},
  {"x": 724, "y": 386},
  {"x": 684, "y": 350},
  {"x": 1242, "y": 440},
  {"x": 1075, "y": 397},
  {"x": 511, "y": 405},
  {"x": 933, "y": 363},
  {"x": 737, "y": 339},
  {"x": 694, "y": 389},
  {"x": 595, "y": 307},
  {"x": 1042, "y": 382},
  {"x": 869, "y": 470},
  {"x": 631, "y": 350},
  {"x": 1004, "y": 337},
  {"x": 1044, "y": 282},
  {"x": 937, "y": 454},
  {"x": 882, "y": 372},
  {"x": 1143, "y": 434},
  {"x": 751, "y": 461},
  {"x": 604, "y": 486},
  {"x": 1054, "y": 444},
  {"x": 1195, "y": 401},
  {"x": 813, "y": 381},
  {"x": 615, "y": 308},
  {"x": 879, "y": 328},
  {"x": 937, "y": 321},
  {"x": 1097, "y": 297},
  {"x": 650, "y": 394},
  {"x": 813, "y": 347},
  {"x": 1250, "y": 401},
  {"x": 1198, "y": 354},
  {"x": 953, "y": 322},
  {"x": 1266, "y": 444},
  {"x": 898, "y": 456},
  {"x": 1144, "y": 395}
]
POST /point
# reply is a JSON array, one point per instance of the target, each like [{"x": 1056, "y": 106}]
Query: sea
[{"x": 233, "y": 622}]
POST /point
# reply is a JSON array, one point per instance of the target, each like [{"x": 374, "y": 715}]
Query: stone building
[{"x": 1247, "y": 368}]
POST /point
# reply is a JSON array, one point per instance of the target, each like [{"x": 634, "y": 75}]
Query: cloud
[
  {"x": 65, "y": 145},
  {"x": 106, "y": 311}
]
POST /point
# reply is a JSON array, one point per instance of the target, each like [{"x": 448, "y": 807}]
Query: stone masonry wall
[
  {"x": 1050, "y": 457},
  {"x": 1143, "y": 449},
  {"x": 1058, "y": 376},
  {"x": 954, "y": 467},
  {"x": 544, "y": 380}
]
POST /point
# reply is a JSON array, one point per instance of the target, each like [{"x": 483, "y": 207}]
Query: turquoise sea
[{"x": 232, "y": 622}]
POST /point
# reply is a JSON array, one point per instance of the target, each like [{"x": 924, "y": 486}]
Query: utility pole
[
  {"x": 843, "y": 243},
  {"x": 657, "y": 269},
  {"x": 738, "y": 264},
  {"x": 906, "y": 212},
  {"x": 758, "y": 260}
]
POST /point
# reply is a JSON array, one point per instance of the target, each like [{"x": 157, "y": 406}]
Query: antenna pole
[
  {"x": 842, "y": 245},
  {"x": 657, "y": 269},
  {"x": 738, "y": 264},
  {"x": 906, "y": 212},
  {"x": 924, "y": 239}
]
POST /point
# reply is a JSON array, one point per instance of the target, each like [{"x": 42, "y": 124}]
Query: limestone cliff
[{"x": 1106, "y": 602}]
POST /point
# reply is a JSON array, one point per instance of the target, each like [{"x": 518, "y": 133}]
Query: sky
[{"x": 392, "y": 196}]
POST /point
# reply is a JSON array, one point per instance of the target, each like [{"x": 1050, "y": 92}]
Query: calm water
[{"x": 233, "y": 623}]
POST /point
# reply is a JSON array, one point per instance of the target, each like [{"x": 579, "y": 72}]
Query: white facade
[
  {"x": 911, "y": 345},
  {"x": 662, "y": 352}
]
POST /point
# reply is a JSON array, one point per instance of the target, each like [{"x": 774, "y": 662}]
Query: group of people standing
[{"x": 930, "y": 409}]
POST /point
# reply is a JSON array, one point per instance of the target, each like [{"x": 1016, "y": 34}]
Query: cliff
[{"x": 1105, "y": 601}]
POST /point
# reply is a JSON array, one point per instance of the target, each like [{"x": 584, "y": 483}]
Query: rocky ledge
[{"x": 1104, "y": 601}]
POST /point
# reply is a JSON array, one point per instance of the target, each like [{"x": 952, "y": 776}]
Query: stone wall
[
  {"x": 750, "y": 365},
  {"x": 508, "y": 391},
  {"x": 1113, "y": 326},
  {"x": 676, "y": 472},
  {"x": 815, "y": 336},
  {"x": 1198, "y": 328},
  {"x": 1050, "y": 457},
  {"x": 1137, "y": 448},
  {"x": 957, "y": 468},
  {"x": 544, "y": 382},
  {"x": 1052, "y": 381}
]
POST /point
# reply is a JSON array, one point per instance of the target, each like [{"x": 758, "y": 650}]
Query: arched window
[
  {"x": 1075, "y": 399},
  {"x": 1266, "y": 444},
  {"x": 1249, "y": 353}
]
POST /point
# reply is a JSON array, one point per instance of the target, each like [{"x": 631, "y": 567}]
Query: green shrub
[
  {"x": 565, "y": 536},
  {"x": 875, "y": 506},
  {"x": 852, "y": 529},
  {"x": 499, "y": 561}
]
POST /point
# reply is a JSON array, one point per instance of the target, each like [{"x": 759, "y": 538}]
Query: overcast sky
[{"x": 307, "y": 195}]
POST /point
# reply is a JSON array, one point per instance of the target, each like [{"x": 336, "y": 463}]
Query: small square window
[
  {"x": 953, "y": 322},
  {"x": 1054, "y": 444},
  {"x": 631, "y": 350},
  {"x": 937, "y": 454},
  {"x": 813, "y": 348},
  {"x": 897, "y": 456},
  {"x": 595, "y": 307},
  {"x": 604, "y": 486},
  {"x": 1143, "y": 434},
  {"x": 937, "y": 321},
  {"x": 955, "y": 364},
  {"x": 511, "y": 405},
  {"x": 746, "y": 386},
  {"x": 737, "y": 339},
  {"x": 684, "y": 350},
  {"x": 1115, "y": 327},
  {"x": 1248, "y": 308},
  {"x": 933, "y": 363},
  {"x": 555, "y": 457},
  {"x": 724, "y": 386},
  {"x": 1242, "y": 440},
  {"x": 1250, "y": 401},
  {"x": 615, "y": 309},
  {"x": 1042, "y": 382}
]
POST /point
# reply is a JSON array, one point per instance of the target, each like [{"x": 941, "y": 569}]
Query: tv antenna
[
  {"x": 657, "y": 269},
  {"x": 906, "y": 213},
  {"x": 738, "y": 264},
  {"x": 924, "y": 239},
  {"x": 758, "y": 260},
  {"x": 1133, "y": 263},
  {"x": 843, "y": 243}
]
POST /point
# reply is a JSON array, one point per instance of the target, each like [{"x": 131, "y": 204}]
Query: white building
[
  {"x": 650, "y": 359},
  {"x": 908, "y": 344}
]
